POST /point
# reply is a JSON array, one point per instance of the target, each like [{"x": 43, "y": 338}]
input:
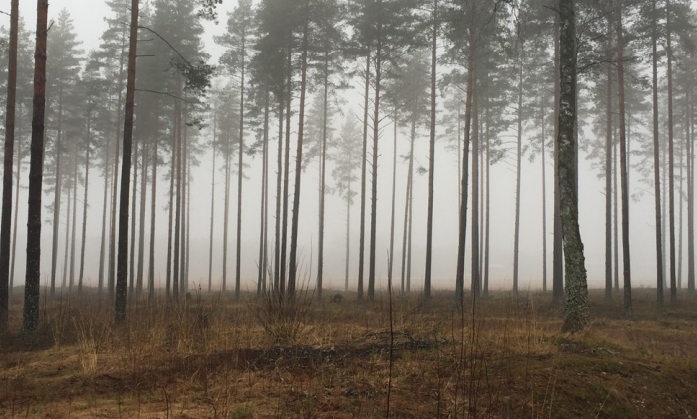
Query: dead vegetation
[{"x": 212, "y": 358}]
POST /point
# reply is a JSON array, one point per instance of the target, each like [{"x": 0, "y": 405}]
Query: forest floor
[{"x": 212, "y": 357}]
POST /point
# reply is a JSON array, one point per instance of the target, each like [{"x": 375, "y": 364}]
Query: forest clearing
[{"x": 213, "y": 358}]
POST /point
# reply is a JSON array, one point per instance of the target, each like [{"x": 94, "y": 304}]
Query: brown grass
[{"x": 214, "y": 358}]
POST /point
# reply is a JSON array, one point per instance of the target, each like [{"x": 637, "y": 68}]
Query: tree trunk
[
  {"x": 348, "y": 224},
  {"x": 73, "y": 228},
  {"x": 406, "y": 284},
  {"x": 261, "y": 283},
  {"x": 394, "y": 193},
  {"x": 210, "y": 242},
  {"x": 608, "y": 178},
  {"x": 115, "y": 183},
  {"x": 690, "y": 199},
  {"x": 279, "y": 174},
  {"x": 134, "y": 221},
  {"x": 141, "y": 226},
  {"x": 519, "y": 157},
  {"x": 286, "y": 174},
  {"x": 462, "y": 228},
  {"x": 240, "y": 176},
  {"x": 6, "y": 223},
  {"x": 183, "y": 184},
  {"x": 170, "y": 231},
  {"x": 476, "y": 286},
  {"x": 576, "y": 308},
  {"x": 671, "y": 187},
  {"x": 33, "y": 270},
  {"x": 364, "y": 164},
  {"x": 226, "y": 212},
  {"x": 376, "y": 137},
  {"x": 57, "y": 195},
  {"x": 323, "y": 177},
  {"x": 557, "y": 245},
  {"x": 102, "y": 243},
  {"x": 153, "y": 207},
  {"x": 486, "y": 209},
  {"x": 178, "y": 196},
  {"x": 292, "y": 271},
  {"x": 66, "y": 249},
  {"x": 126, "y": 168},
  {"x": 16, "y": 210},
  {"x": 84, "y": 206},
  {"x": 431, "y": 154},
  {"x": 624, "y": 185},
  {"x": 544, "y": 200}
]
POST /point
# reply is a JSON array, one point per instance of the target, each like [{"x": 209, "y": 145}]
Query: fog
[{"x": 88, "y": 19}]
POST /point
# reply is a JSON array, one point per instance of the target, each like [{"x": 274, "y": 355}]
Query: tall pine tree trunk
[
  {"x": 671, "y": 186},
  {"x": 73, "y": 228},
  {"x": 261, "y": 285},
  {"x": 293, "y": 267},
  {"x": 690, "y": 198},
  {"x": 462, "y": 228},
  {"x": 393, "y": 208},
  {"x": 519, "y": 158},
  {"x": 104, "y": 238},
  {"x": 134, "y": 221},
  {"x": 170, "y": 231},
  {"x": 226, "y": 213},
  {"x": 141, "y": 225},
  {"x": 608, "y": 178},
  {"x": 210, "y": 242},
  {"x": 33, "y": 270},
  {"x": 6, "y": 223},
  {"x": 57, "y": 195},
  {"x": 374, "y": 183},
  {"x": 431, "y": 154},
  {"x": 543, "y": 156},
  {"x": 557, "y": 245},
  {"x": 115, "y": 182},
  {"x": 153, "y": 210},
  {"x": 240, "y": 176},
  {"x": 84, "y": 206},
  {"x": 279, "y": 180},
  {"x": 178, "y": 196},
  {"x": 364, "y": 164},
  {"x": 323, "y": 177},
  {"x": 126, "y": 168},
  {"x": 16, "y": 210},
  {"x": 624, "y": 184},
  {"x": 576, "y": 307},
  {"x": 286, "y": 173},
  {"x": 476, "y": 285}
]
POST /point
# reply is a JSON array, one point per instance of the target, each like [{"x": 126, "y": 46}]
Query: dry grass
[{"x": 212, "y": 357}]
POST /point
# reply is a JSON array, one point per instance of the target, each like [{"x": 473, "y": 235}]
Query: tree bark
[
  {"x": 104, "y": 238},
  {"x": 153, "y": 207},
  {"x": 323, "y": 177},
  {"x": 16, "y": 210},
  {"x": 240, "y": 176},
  {"x": 624, "y": 184},
  {"x": 671, "y": 186},
  {"x": 178, "y": 197},
  {"x": 293, "y": 267},
  {"x": 141, "y": 225},
  {"x": 364, "y": 164},
  {"x": 33, "y": 270},
  {"x": 6, "y": 223},
  {"x": 431, "y": 154},
  {"x": 84, "y": 206},
  {"x": 57, "y": 195},
  {"x": 134, "y": 221},
  {"x": 376, "y": 137},
  {"x": 557, "y": 245},
  {"x": 519, "y": 157},
  {"x": 576, "y": 308},
  {"x": 210, "y": 242},
  {"x": 476, "y": 284},
  {"x": 126, "y": 168},
  {"x": 462, "y": 228},
  {"x": 608, "y": 179}
]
